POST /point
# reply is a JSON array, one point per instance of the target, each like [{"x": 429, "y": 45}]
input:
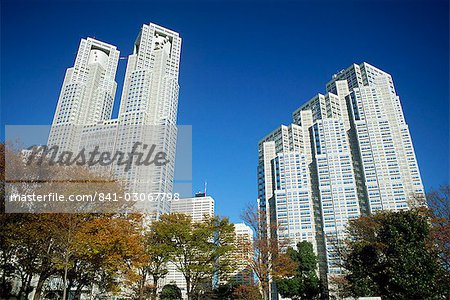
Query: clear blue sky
[{"x": 245, "y": 66}]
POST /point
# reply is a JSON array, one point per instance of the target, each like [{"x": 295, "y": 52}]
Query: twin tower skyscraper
[
  {"x": 148, "y": 107},
  {"x": 347, "y": 153}
]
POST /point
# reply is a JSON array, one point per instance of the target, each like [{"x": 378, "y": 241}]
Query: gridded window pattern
[
  {"x": 359, "y": 154},
  {"x": 293, "y": 200},
  {"x": 337, "y": 185},
  {"x": 148, "y": 108}
]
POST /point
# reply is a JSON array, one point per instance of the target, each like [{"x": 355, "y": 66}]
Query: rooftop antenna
[{"x": 206, "y": 185}]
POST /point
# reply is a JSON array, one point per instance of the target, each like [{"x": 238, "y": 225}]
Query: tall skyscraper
[
  {"x": 295, "y": 140},
  {"x": 87, "y": 93},
  {"x": 336, "y": 185},
  {"x": 386, "y": 155},
  {"x": 149, "y": 104},
  {"x": 147, "y": 114},
  {"x": 348, "y": 152},
  {"x": 292, "y": 198}
]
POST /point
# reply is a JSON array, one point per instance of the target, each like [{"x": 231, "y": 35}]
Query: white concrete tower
[
  {"x": 87, "y": 94},
  {"x": 292, "y": 138},
  {"x": 148, "y": 110},
  {"x": 362, "y": 159},
  {"x": 147, "y": 113},
  {"x": 293, "y": 202},
  {"x": 336, "y": 184},
  {"x": 384, "y": 149}
]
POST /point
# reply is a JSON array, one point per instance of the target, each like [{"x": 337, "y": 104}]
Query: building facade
[
  {"x": 387, "y": 161},
  {"x": 348, "y": 152},
  {"x": 147, "y": 114},
  {"x": 197, "y": 207},
  {"x": 336, "y": 185},
  {"x": 242, "y": 255},
  {"x": 87, "y": 93}
]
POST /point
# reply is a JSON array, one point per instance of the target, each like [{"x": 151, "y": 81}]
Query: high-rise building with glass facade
[{"x": 348, "y": 152}]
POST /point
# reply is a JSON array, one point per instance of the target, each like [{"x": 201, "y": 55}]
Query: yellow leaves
[
  {"x": 110, "y": 240},
  {"x": 283, "y": 266}
]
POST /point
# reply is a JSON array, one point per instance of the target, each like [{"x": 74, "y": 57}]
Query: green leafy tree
[
  {"x": 199, "y": 248},
  {"x": 439, "y": 206},
  {"x": 170, "y": 292},
  {"x": 389, "y": 256},
  {"x": 151, "y": 263},
  {"x": 304, "y": 284},
  {"x": 223, "y": 291}
]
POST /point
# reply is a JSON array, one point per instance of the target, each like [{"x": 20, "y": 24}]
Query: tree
[
  {"x": 25, "y": 241},
  {"x": 304, "y": 284},
  {"x": 268, "y": 261},
  {"x": 170, "y": 292},
  {"x": 84, "y": 247},
  {"x": 222, "y": 292},
  {"x": 152, "y": 262},
  {"x": 439, "y": 204},
  {"x": 24, "y": 249},
  {"x": 246, "y": 292},
  {"x": 7, "y": 251},
  {"x": 389, "y": 256},
  {"x": 95, "y": 242},
  {"x": 106, "y": 247},
  {"x": 199, "y": 248}
]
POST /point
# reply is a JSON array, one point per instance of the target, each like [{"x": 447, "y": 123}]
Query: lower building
[
  {"x": 198, "y": 208},
  {"x": 242, "y": 256}
]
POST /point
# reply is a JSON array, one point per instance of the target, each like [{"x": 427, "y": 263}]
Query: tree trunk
[
  {"x": 27, "y": 286},
  {"x": 188, "y": 288},
  {"x": 155, "y": 287},
  {"x": 40, "y": 284},
  {"x": 142, "y": 285},
  {"x": 78, "y": 292},
  {"x": 4, "y": 289},
  {"x": 266, "y": 291},
  {"x": 70, "y": 285},
  {"x": 91, "y": 296},
  {"x": 44, "y": 274},
  {"x": 22, "y": 287},
  {"x": 65, "y": 282}
]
